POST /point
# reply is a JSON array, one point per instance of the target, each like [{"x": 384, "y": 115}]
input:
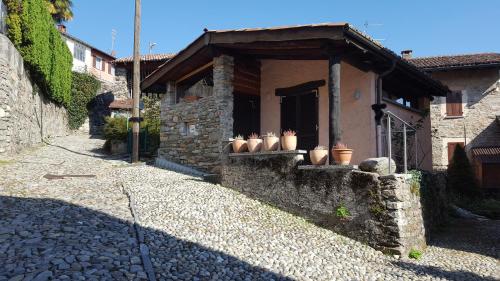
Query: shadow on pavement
[
  {"x": 425, "y": 270},
  {"x": 469, "y": 235},
  {"x": 51, "y": 238}
]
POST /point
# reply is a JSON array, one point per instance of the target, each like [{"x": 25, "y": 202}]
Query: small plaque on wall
[{"x": 192, "y": 130}]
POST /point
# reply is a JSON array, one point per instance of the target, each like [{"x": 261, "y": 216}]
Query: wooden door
[
  {"x": 300, "y": 113},
  {"x": 246, "y": 114}
]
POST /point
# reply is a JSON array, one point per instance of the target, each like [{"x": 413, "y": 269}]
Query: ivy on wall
[
  {"x": 84, "y": 88},
  {"x": 33, "y": 32}
]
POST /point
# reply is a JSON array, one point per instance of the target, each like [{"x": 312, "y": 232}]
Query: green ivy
[
  {"x": 32, "y": 30},
  {"x": 83, "y": 90}
]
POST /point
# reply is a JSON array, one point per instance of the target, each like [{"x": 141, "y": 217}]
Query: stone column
[{"x": 223, "y": 93}]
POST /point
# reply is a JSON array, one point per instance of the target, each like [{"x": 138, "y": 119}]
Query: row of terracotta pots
[
  {"x": 269, "y": 142},
  {"x": 340, "y": 153}
]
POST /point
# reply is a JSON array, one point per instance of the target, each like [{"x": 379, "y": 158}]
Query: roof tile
[{"x": 457, "y": 61}]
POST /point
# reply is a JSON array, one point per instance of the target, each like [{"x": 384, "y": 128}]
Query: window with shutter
[
  {"x": 451, "y": 149},
  {"x": 454, "y": 104}
]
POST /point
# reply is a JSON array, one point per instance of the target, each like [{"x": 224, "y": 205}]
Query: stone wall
[
  {"x": 434, "y": 201},
  {"x": 384, "y": 213},
  {"x": 26, "y": 116},
  {"x": 193, "y": 133},
  {"x": 481, "y": 104},
  {"x": 109, "y": 91}
]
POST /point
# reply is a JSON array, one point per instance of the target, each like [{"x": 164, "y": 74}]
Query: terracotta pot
[
  {"x": 191, "y": 98},
  {"x": 254, "y": 145},
  {"x": 239, "y": 146},
  {"x": 289, "y": 142},
  {"x": 271, "y": 143},
  {"x": 318, "y": 157},
  {"x": 342, "y": 156}
]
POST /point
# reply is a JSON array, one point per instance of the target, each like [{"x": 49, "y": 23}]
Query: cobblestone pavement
[{"x": 80, "y": 228}]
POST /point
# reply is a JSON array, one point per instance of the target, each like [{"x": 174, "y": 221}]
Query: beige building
[
  {"x": 470, "y": 114},
  {"x": 328, "y": 82}
]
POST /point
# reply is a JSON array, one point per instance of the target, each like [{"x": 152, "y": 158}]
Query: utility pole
[{"x": 137, "y": 80}]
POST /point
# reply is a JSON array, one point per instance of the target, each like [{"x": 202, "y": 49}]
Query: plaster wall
[{"x": 357, "y": 119}]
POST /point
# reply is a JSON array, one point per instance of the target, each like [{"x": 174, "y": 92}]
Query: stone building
[
  {"x": 470, "y": 114},
  {"x": 149, "y": 63},
  {"x": 329, "y": 82}
]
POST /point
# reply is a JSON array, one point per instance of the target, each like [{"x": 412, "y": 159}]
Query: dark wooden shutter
[
  {"x": 454, "y": 104},
  {"x": 109, "y": 68},
  {"x": 94, "y": 62},
  {"x": 451, "y": 149}
]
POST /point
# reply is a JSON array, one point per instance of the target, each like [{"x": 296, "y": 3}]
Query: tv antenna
[
  {"x": 368, "y": 24},
  {"x": 151, "y": 46},
  {"x": 113, "y": 38}
]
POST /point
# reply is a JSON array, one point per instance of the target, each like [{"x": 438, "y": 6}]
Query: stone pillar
[{"x": 223, "y": 73}]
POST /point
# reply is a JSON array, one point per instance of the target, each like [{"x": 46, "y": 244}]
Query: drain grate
[{"x": 61, "y": 177}]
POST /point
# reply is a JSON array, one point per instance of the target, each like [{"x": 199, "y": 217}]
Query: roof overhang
[
  {"x": 461, "y": 67},
  {"x": 294, "y": 42}
]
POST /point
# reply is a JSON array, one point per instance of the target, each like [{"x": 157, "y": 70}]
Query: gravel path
[{"x": 81, "y": 228}]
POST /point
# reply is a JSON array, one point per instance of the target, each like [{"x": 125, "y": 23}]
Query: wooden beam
[
  {"x": 300, "y": 89},
  {"x": 194, "y": 72},
  {"x": 334, "y": 132}
]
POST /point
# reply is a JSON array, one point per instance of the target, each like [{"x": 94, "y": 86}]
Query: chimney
[
  {"x": 61, "y": 28},
  {"x": 406, "y": 54}
]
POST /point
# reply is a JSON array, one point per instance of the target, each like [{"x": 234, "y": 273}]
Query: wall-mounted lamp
[{"x": 357, "y": 94}]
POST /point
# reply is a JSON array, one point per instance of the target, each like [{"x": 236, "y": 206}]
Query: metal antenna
[
  {"x": 151, "y": 46},
  {"x": 113, "y": 38},
  {"x": 367, "y": 25}
]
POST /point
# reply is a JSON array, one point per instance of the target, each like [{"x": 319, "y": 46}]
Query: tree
[
  {"x": 462, "y": 180},
  {"x": 61, "y": 10}
]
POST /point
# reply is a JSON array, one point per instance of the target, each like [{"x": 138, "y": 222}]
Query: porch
[{"x": 329, "y": 83}]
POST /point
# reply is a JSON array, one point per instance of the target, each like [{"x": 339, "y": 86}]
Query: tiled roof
[
  {"x": 122, "y": 104},
  {"x": 486, "y": 154},
  {"x": 148, "y": 57},
  {"x": 457, "y": 61}
]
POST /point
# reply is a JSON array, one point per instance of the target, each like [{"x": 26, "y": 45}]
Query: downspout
[{"x": 379, "y": 106}]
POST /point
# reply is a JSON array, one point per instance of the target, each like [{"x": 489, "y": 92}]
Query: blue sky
[{"x": 428, "y": 27}]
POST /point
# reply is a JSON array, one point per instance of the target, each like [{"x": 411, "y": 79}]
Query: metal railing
[{"x": 400, "y": 133}]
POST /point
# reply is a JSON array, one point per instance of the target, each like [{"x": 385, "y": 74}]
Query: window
[
  {"x": 79, "y": 52},
  {"x": 98, "y": 64},
  {"x": 451, "y": 149},
  {"x": 454, "y": 104}
]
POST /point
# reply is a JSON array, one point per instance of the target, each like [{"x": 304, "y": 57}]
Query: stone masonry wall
[
  {"x": 481, "y": 104},
  {"x": 196, "y": 133},
  {"x": 26, "y": 116},
  {"x": 384, "y": 213}
]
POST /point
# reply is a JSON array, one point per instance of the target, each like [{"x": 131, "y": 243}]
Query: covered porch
[{"x": 326, "y": 82}]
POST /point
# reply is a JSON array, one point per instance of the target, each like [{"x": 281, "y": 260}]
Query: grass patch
[
  {"x": 342, "y": 212},
  {"x": 415, "y": 254},
  {"x": 6, "y": 162}
]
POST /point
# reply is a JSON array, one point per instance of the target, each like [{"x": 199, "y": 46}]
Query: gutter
[
  {"x": 379, "y": 106},
  {"x": 385, "y": 53}
]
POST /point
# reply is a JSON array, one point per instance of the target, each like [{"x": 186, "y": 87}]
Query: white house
[{"x": 89, "y": 59}]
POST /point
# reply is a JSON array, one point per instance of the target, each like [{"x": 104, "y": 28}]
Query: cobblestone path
[{"x": 81, "y": 227}]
